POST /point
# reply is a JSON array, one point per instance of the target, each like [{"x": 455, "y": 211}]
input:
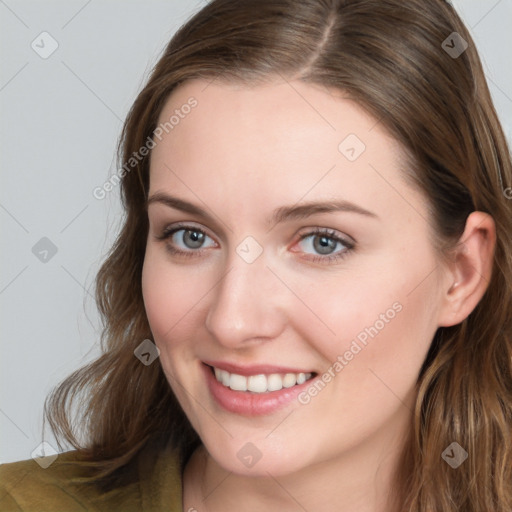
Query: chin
[{"x": 258, "y": 457}]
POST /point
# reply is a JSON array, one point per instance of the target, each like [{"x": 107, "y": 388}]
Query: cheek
[
  {"x": 373, "y": 324},
  {"x": 172, "y": 294}
]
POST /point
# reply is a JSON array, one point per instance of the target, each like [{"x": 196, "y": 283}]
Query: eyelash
[{"x": 328, "y": 233}]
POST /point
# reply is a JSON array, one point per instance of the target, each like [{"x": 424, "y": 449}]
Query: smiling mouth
[{"x": 261, "y": 383}]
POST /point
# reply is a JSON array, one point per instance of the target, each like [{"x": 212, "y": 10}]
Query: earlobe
[{"x": 470, "y": 272}]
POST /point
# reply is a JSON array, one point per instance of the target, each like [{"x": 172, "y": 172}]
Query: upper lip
[{"x": 255, "y": 369}]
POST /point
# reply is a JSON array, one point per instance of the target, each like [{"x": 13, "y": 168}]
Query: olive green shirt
[{"x": 156, "y": 486}]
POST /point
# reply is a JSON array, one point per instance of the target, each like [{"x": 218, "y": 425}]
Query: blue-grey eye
[
  {"x": 319, "y": 243},
  {"x": 190, "y": 238},
  {"x": 324, "y": 244}
]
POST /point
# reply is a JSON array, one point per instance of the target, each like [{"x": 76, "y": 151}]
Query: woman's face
[{"x": 294, "y": 246}]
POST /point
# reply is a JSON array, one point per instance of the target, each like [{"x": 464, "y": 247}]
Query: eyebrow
[{"x": 282, "y": 214}]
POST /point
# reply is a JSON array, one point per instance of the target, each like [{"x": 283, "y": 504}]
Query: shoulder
[
  {"x": 31, "y": 486},
  {"x": 44, "y": 485}
]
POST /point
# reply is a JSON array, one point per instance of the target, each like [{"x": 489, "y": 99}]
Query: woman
[{"x": 309, "y": 304}]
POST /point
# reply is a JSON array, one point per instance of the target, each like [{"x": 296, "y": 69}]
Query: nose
[{"x": 247, "y": 305}]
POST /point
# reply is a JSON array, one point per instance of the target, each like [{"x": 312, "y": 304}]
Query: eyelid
[
  {"x": 190, "y": 226},
  {"x": 346, "y": 240}
]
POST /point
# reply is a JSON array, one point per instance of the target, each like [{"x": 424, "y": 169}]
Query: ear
[{"x": 469, "y": 271}]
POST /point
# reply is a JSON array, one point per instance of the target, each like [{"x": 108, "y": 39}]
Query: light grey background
[{"x": 60, "y": 120}]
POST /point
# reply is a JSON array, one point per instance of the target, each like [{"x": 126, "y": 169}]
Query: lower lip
[{"x": 248, "y": 403}]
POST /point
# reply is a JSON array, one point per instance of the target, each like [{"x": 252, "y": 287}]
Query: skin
[{"x": 240, "y": 154}]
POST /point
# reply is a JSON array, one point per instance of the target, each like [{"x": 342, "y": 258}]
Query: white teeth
[
  {"x": 289, "y": 380},
  {"x": 260, "y": 383},
  {"x": 225, "y": 378},
  {"x": 257, "y": 383},
  {"x": 222, "y": 376},
  {"x": 275, "y": 382},
  {"x": 238, "y": 382}
]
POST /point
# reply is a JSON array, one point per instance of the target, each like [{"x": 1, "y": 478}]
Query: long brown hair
[{"x": 392, "y": 58}]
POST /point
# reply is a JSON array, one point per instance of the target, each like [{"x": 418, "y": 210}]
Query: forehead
[
  {"x": 283, "y": 115},
  {"x": 280, "y": 142}
]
